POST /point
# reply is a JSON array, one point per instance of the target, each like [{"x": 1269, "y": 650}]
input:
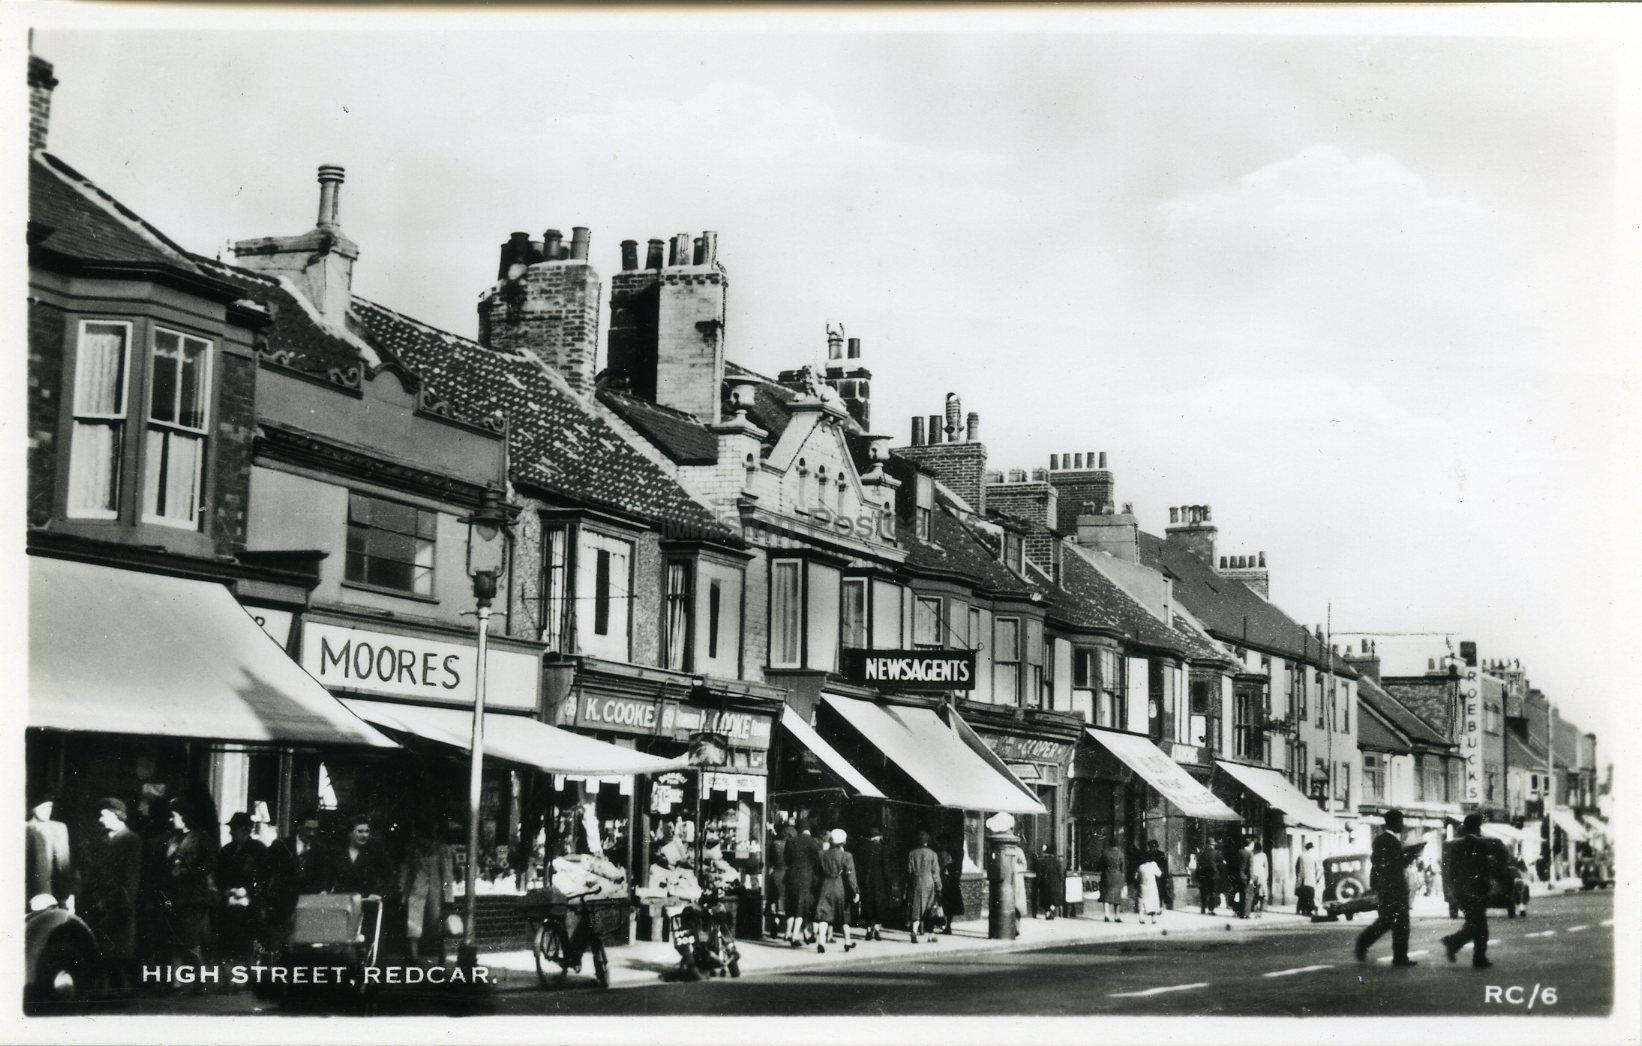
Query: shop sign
[
  {"x": 911, "y": 669},
  {"x": 744, "y": 729},
  {"x": 623, "y": 715},
  {"x": 370, "y": 662},
  {"x": 277, "y": 623},
  {"x": 1015, "y": 749},
  {"x": 1471, "y": 737}
]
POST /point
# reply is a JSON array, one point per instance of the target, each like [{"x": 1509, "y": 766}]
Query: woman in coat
[
  {"x": 835, "y": 891},
  {"x": 1112, "y": 876},
  {"x": 1148, "y": 875},
  {"x": 873, "y": 872},
  {"x": 952, "y": 878},
  {"x": 923, "y": 886},
  {"x": 427, "y": 883},
  {"x": 188, "y": 891},
  {"x": 775, "y": 875},
  {"x": 803, "y": 858}
]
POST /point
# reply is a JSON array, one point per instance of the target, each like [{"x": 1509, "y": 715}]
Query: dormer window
[
  {"x": 1012, "y": 551},
  {"x": 923, "y": 510}
]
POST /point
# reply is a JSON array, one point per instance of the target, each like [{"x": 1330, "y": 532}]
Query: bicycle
[{"x": 555, "y": 943}]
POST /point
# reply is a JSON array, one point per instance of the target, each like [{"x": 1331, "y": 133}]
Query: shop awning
[
  {"x": 829, "y": 756},
  {"x": 1279, "y": 794},
  {"x": 1185, "y": 792},
  {"x": 932, "y": 754},
  {"x": 515, "y": 738},
  {"x": 1598, "y": 826},
  {"x": 117, "y": 651},
  {"x": 1565, "y": 820},
  {"x": 1495, "y": 830}
]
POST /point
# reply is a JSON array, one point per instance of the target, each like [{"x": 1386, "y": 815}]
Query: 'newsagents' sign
[
  {"x": 911, "y": 669},
  {"x": 373, "y": 662}
]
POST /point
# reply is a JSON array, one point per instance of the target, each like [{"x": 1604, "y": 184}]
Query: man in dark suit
[
  {"x": 1475, "y": 867},
  {"x": 111, "y": 894},
  {"x": 1389, "y": 877}
]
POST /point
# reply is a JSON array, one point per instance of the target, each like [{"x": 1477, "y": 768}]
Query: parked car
[
  {"x": 1510, "y": 892},
  {"x": 1346, "y": 888},
  {"x": 59, "y": 958},
  {"x": 1595, "y": 872}
]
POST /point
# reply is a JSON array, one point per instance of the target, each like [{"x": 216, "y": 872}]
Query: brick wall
[
  {"x": 631, "y": 354},
  {"x": 1033, "y": 500},
  {"x": 1078, "y": 488},
  {"x": 690, "y": 341},
  {"x": 552, "y": 310},
  {"x": 235, "y": 431},
  {"x": 47, "y": 330},
  {"x": 961, "y": 466}
]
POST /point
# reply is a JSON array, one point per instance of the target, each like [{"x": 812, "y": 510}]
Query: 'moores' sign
[
  {"x": 911, "y": 669},
  {"x": 414, "y": 666}
]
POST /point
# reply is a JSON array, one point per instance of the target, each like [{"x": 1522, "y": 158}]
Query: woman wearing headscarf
[
  {"x": 923, "y": 886},
  {"x": 189, "y": 890},
  {"x": 837, "y": 889},
  {"x": 803, "y": 855}
]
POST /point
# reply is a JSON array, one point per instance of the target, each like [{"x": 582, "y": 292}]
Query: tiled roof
[
  {"x": 1523, "y": 753},
  {"x": 557, "y": 442},
  {"x": 1430, "y": 699},
  {"x": 1372, "y": 732},
  {"x": 70, "y": 216},
  {"x": 769, "y": 410},
  {"x": 678, "y": 435},
  {"x": 1399, "y": 715},
  {"x": 1230, "y": 610},
  {"x": 953, "y": 548},
  {"x": 1087, "y": 597}
]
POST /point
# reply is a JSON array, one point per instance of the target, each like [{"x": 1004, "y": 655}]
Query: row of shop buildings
[{"x": 248, "y": 504}]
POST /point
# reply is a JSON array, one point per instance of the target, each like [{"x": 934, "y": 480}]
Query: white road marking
[
  {"x": 1299, "y": 969},
  {"x": 1411, "y": 955},
  {"x": 1607, "y": 922},
  {"x": 1158, "y": 991},
  {"x": 1542, "y": 933},
  {"x": 1576, "y": 929}
]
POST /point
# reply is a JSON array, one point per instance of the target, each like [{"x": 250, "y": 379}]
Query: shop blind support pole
[{"x": 468, "y": 954}]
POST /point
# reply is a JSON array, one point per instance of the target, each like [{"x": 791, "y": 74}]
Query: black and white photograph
[{"x": 1059, "y": 523}]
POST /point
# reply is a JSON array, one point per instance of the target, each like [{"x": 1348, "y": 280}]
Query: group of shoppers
[
  {"x": 1241, "y": 881},
  {"x": 819, "y": 884},
  {"x": 155, "y": 886}
]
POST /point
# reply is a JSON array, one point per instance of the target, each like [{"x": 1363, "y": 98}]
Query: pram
[{"x": 334, "y": 946}]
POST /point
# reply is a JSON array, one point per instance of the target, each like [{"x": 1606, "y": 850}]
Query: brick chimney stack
[
  {"x": 1367, "y": 660},
  {"x": 1191, "y": 527},
  {"x": 1251, "y": 570},
  {"x": 319, "y": 262},
  {"x": 666, "y": 338},
  {"x": 41, "y": 84},
  {"x": 1080, "y": 479},
  {"x": 845, "y": 373},
  {"x": 958, "y": 463},
  {"x": 546, "y": 302}
]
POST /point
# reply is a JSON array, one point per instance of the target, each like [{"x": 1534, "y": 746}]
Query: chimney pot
[
  {"x": 1174, "y": 514},
  {"x": 855, "y": 348},
  {"x": 1262, "y": 561},
  {"x": 629, "y": 255},
  {"x": 699, "y": 252},
  {"x": 330, "y": 184},
  {"x": 1222, "y": 562},
  {"x": 653, "y": 254},
  {"x": 954, "y": 417},
  {"x": 973, "y": 427},
  {"x": 709, "y": 243},
  {"x": 680, "y": 254},
  {"x": 551, "y": 239},
  {"x": 1077, "y": 461},
  {"x": 1054, "y": 461},
  {"x": 580, "y": 240},
  {"x": 918, "y": 432},
  {"x": 1103, "y": 459},
  {"x": 934, "y": 429}
]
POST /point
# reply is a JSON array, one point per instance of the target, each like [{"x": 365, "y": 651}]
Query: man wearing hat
[
  {"x": 1388, "y": 873},
  {"x": 111, "y": 893},
  {"x": 50, "y": 872},
  {"x": 1477, "y": 865},
  {"x": 238, "y": 865}
]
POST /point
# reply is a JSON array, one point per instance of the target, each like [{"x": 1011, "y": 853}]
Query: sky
[{"x": 1356, "y": 290}]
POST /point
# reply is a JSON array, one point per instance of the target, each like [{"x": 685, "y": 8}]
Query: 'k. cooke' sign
[{"x": 911, "y": 669}]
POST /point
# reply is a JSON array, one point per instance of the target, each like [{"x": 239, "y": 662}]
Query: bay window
[
  {"x": 101, "y": 370},
  {"x": 174, "y": 451},
  {"x": 853, "y": 633},
  {"x": 604, "y": 587},
  {"x": 1205, "y": 721},
  {"x": 926, "y": 622},
  {"x": 923, "y": 509},
  {"x": 1033, "y": 695},
  {"x": 1006, "y": 658},
  {"x": 1374, "y": 768},
  {"x": 555, "y": 584},
  {"x": 676, "y": 618}
]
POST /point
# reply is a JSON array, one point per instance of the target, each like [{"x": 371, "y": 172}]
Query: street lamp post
[{"x": 487, "y": 557}]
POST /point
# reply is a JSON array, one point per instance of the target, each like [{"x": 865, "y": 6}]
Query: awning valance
[
  {"x": 805, "y": 734},
  {"x": 1276, "y": 791},
  {"x": 515, "y": 738},
  {"x": 118, "y": 651},
  {"x": 934, "y": 756},
  {"x": 1167, "y": 777},
  {"x": 1565, "y": 820}
]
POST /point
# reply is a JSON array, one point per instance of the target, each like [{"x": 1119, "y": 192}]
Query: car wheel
[{"x": 62, "y": 977}]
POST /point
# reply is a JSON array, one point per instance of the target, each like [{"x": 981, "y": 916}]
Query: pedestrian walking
[
  {"x": 189, "y": 891},
  {"x": 112, "y": 883},
  {"x": 1165, "y": 882},
  {"x": 427, "y": 883},
  {"x": 239, "y": 872},
  {"x": 803, "y": 859},
  {"x": 1051, "y": 882},
  {"x": 836, "y": 889},
  {"x": 872, "y": 869},
  {"x": 1149, "y": 875},
  {"x": 1112, "y": 877},
  {"x": 775, "y": 876},
  {"x": 1244, "y": 879},
  {"x": 1389, "y": 878},
  {"x": 923, "y": 888},
  {"x": 952, "y": 884},
  {"x": 1475, "y": 867},
  {"x": 1260, "y": 883},
  {"x": 281, "y": 880},
  {"x": 1206, "y": 874},
  {"x": 1308, "y": 871},
  {"x": 49, "y": 878}
]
